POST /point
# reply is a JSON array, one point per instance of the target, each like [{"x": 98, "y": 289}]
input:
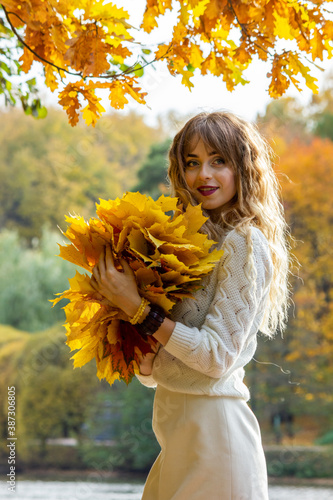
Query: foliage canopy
[{"x": 89, "y": 45}]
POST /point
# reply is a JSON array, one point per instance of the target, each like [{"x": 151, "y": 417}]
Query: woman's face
[{"x": 209, "y": 177}]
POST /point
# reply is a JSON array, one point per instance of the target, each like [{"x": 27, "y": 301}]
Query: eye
[
  {"x": 191, "y": 164},
  {"x": 218, "y": 161}
]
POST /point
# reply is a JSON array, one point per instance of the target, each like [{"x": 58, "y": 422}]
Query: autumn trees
[
  {"x": 86, "y": 46},
  {"x": 48, "y": 168},
  {"x": 308, "y": 190},
  {"x": 304, "y": 163}
]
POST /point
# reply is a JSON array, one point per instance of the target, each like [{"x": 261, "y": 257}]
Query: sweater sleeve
[
  {"x": 147, "y": 380},
  {"x": 235, "y": 312}
]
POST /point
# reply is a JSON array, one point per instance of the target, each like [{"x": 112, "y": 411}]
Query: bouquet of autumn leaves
[{"x": 167, "y": 255}]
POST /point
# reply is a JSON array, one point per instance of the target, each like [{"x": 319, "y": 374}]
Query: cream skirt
[{"x": 210, "y": 449}]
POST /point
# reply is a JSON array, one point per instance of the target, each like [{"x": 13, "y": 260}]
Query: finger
[
  {"x": 98, "y": 296},
  {"x": 94, "y": 283},
  {"x": 149, "y": 355},
  {"x": 126, "y": 267},
  {"x": 101, "y": 262},
  {"x": 109, "y": 262},
  {"x": 155, "y": 347},
  {"x": 96, "y": 274}
]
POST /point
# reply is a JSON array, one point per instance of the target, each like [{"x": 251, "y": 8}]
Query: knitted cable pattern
[{"x": 216, "y": 334}]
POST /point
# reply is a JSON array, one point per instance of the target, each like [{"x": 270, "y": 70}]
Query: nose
[{"x": 205, "y": 171}]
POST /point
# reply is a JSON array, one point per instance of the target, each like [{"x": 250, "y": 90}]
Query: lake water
[{"x": 81, "y": 490}]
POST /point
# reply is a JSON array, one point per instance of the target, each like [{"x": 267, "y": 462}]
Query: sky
[
  {"x": 166, "y": 93},
  {"x": 209, "y": 93}
]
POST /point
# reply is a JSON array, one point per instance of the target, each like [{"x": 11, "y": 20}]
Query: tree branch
[
  {"x": 129, "y": 70},
  {"x": 244, "y": 30},
  {"x": 29, "y": 48}
]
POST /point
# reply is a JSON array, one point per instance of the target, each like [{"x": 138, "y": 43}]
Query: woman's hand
[
  {"x": 146, "y": 362},
  {"x": 118, "y": 287}
]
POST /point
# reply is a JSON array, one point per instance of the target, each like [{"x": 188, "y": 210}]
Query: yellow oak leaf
[
  {"x": 149, "y": 21},
  {"x": 214, "y": 8},
  {"x": 26, "y": 60},
  {"x": 196, "y": 57},
  {"x": 317, "y": 45},
  {"x": 186, "y": 75},
  {"x": 50, "y": 78},
  {"x": 135, "y": 92},
  {"x": 282, "y": 27},
  {"x": 199, "y": 7},
  {"x": 92, "y": 112},
  {"x": 69, "y": 100},
  {"x": 117, "y": 95}
]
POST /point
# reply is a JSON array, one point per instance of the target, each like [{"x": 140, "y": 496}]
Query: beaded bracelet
[
  {"x": 140, "y": 311},
  {"x": 152, "y": 321}
]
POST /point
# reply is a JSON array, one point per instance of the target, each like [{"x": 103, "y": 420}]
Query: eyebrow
[{"x": 192, "y": 155}]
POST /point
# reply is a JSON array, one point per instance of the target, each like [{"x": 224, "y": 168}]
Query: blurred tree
[
  {"x": 12, "y": 344},
  {"x": 322, "y": 110},
  {"x": 306, "y": 173},
  {"x": 55, "y": 401},
  {"x": 309, "y": 207},
  {"x": 324, "y": 126},
  {"x": 57, "y": 169},
  {"x": 122, "y": 416},
  {"x": 135, "y": 443},
  {"x": 152, "y": 174},
  {"x": 30, "y": 277},
  {"x": 284, "y": 118},
  {"x": 52, "y": 398},
  {"x": 291, "y": 120}
]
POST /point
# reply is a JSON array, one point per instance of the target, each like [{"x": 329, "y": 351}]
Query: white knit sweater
[{"x": 216, "y": 334}]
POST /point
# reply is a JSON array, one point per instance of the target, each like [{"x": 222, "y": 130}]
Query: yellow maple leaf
[
  {"x": 86, "y": 353},
  {"x": 167, "y": 255},
  {"x": 72, "y": 254}
]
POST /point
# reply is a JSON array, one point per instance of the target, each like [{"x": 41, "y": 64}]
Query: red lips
[{"x": 207, "y": 190}]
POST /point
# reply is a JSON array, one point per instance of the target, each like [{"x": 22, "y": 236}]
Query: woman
[{"x": 210, "y": 440}]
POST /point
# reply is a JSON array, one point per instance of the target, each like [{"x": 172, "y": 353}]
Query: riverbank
[
  {"x": 323, "y": 482},
  {"x": 139, "y": 478},
  {"x": 119, "y": 490},
  {"x": 81, "y": 475}
]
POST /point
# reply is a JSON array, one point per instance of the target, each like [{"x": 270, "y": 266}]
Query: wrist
[
  {"x": 152, "y": 322},
  {"x": 132, "y": 309}
]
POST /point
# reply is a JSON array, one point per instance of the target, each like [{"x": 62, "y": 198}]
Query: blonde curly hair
[{"x": 257, "y": 200}]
